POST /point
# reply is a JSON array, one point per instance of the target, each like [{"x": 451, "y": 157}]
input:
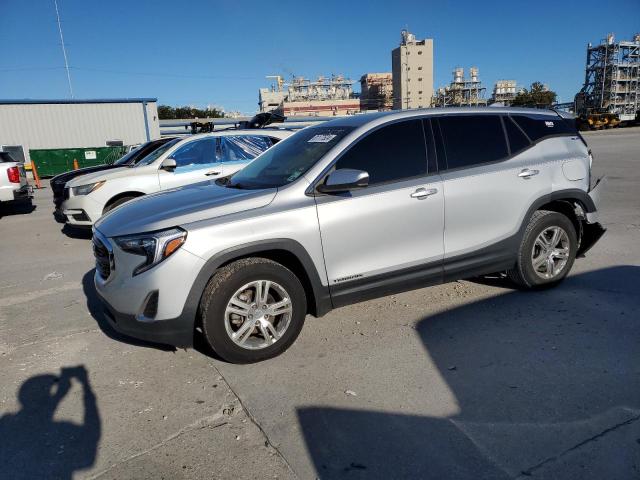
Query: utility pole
[{"x": 64, "y": 50}]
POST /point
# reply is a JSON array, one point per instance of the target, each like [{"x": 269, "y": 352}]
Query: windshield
[
  {"x": 124, "y": 160},
  {"x": 289, "y": 159},
  {"x": 153, "y": 156}
]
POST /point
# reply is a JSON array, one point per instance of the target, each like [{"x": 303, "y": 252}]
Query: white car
[
  {"x": 13, "y": 180},
  {"x": 180, "y": 162}
]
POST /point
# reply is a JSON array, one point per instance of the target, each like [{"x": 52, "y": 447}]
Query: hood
[
  {"x": 117, "y": 172},
  {"x": 180, "y": 206},
  {"x": 66, "y": 176}
]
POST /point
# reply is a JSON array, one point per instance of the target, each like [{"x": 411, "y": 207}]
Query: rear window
[
  {"x": 5, "y": 157},
  {"x": 471, "y": 140},
  {"x": 538, "y": 127}
]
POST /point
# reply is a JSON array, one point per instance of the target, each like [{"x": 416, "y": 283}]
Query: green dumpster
[{"x": 52, "y": 161}]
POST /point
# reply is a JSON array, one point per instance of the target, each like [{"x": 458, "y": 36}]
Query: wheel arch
[
  {"x": 115, "y": 198},
  {"x": 287, "y": 252},
  {"x": 573, "y": 203}
]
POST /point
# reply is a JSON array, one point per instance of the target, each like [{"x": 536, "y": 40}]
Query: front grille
[{"x": 104, "y": 258}]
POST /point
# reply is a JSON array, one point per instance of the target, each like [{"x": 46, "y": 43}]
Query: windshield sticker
[
  {"x": 549, "y": 124},
  {"x": 321, "y": 138}
]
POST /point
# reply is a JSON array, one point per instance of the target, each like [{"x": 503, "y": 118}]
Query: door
[
  {"x": 489, "y": 184},
  {"x": 386, "y": 237},
  {"x": 196, "y": 161}
]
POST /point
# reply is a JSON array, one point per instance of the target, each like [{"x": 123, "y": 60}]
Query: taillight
[{"x": 14, "y": 175}]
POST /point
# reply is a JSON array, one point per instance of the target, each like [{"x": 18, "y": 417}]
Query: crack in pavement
[
  {"x": 256, "y": 423},
  {"x": 529, "y": 471},
  {"x": 211, "y": 421}
]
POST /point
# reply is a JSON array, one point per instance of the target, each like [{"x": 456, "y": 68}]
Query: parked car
[
  {"x": 349, "y": 210},
  {"x": 13, "y": 180},
  {"x": 179, "y": 162},
  {"x": 134, "y": 156}
]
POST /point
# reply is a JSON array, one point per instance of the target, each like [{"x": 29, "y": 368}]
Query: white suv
[
  {"x": 352, "y": 209},
  {"x": 180, "y": 162}
]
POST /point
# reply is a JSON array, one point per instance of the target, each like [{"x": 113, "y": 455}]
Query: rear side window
[
  {"x": 392, "y": 153},
  {"x": 518, "y": 141},
  {"x": 540, "y": 126},
  {"x": 241, "y": 148},
  {"x": 471, "y": 140},
  {"x": 197, "y": 152}
]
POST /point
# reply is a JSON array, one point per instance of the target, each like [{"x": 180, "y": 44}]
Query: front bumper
[
  {"x": 176, "y": 331},
  {"x": 80, "y": 211},
  {"x": 154, "y": 305}
]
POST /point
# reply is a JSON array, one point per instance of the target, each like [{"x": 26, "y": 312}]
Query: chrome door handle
[
  {"x": 527, "y": 173},
  {"x": 424, "y": 192},
  {"x": 215, "y": 172}
]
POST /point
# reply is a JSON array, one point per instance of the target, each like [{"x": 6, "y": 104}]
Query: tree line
[
  {"x": 165, "y": 112},
  {"x": 537, "y": 96}
]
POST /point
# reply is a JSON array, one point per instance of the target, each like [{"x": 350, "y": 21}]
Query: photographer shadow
[{"x": 34, "y": 444}]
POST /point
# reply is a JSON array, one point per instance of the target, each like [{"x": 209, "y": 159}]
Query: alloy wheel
[
  {"x": 550, "y": 252},
  {"x": 258, "y": 314}
]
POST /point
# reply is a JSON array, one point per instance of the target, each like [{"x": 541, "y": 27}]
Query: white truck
[{"x": 13, "y": 180}]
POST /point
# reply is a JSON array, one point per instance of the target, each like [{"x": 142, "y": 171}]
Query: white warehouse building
[{"x": 46, "y": 124}]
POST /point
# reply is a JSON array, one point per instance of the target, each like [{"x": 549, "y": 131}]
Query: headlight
[
  {"x": 88, "y": 188},
  {"x": 154, "y": 246}
]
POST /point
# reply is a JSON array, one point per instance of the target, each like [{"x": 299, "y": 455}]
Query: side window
[
  {"x": 392, "y": 153},
  {"x": 518, "y": 141},
  {"x": 242, "y": 148},
  {"x": 539, "y": 126},
  {"x": 471, "y": 140},
  {"x": 198, "y": 152}
]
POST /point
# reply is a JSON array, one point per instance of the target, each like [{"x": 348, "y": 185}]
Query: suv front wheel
[
  {"x": 252, "y": 309},
  {"x": 547, "y": 251}
]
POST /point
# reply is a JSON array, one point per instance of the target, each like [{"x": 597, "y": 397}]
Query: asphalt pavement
[{"x": 469, "y": 380}]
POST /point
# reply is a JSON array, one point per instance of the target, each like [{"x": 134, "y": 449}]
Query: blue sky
[{"x": 215, "y": 52}]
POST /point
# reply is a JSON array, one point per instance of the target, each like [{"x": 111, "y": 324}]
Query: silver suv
[{"x": 349, "y": 210}]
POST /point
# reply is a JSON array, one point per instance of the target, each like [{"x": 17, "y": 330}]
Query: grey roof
[
  {"x": 29, "y": 101},
  {"x": 359, "y": 120}
]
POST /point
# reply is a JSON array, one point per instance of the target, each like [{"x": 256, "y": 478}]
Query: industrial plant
[
  {"x": 610, "y": 95},
  {"x": 611, "y": 91},
  {"x": 462, "y": 91},
  {"x": 325, "y": 96}
]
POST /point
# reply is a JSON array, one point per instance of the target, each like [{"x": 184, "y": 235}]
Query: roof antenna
[{"x": 64, "y": 50}]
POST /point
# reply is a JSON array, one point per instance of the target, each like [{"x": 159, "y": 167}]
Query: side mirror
[
  {"x": 168, "y": 164},
  {"x": 344, "y": 180}
]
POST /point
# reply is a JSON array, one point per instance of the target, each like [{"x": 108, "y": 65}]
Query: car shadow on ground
[
  {"x": 22, "y": 207},
  {"x": 96, "y": 309},
  {"x": 546, "y": 383},
  {"x": 35, "y": 444}
]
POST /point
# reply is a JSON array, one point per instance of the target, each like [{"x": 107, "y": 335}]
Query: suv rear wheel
[
  {"x": 547, "y": 251},
  {"x": 252, "y": 309}
]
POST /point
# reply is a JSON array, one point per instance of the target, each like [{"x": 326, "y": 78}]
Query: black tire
[
  {"x": 219, "y": 291},
  {"x": 117, "y": 203},
  {"x": 524, "y": 274}
]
